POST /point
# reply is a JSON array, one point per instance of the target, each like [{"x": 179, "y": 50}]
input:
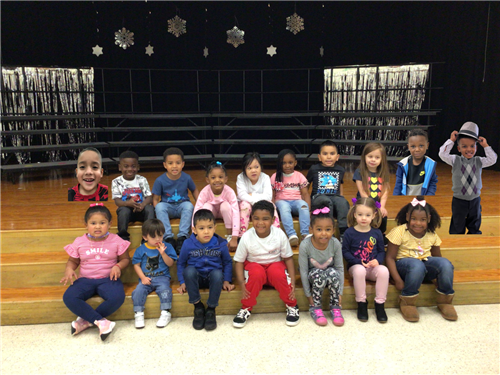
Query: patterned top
[
  {"x": 410, "y": 246},
  {"x": 289, "y": 188},
  {"x": 136, "y": 189},
  {"x": 375, "y": 184},
  {"x": 101, "y": 194}
]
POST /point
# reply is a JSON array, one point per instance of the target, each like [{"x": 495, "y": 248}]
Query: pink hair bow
[
  {"x": 96, "y": 204},
  {"x": 415, "y": 201},
  {"x": 323, "y": 210}
]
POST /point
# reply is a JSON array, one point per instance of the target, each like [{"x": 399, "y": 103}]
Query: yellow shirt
[{"x": 410, "y": 246}]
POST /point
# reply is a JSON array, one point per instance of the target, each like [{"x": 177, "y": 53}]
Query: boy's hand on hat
[
  {"x": 454, "y": 135},
  {"x": 482, "y": 141}
]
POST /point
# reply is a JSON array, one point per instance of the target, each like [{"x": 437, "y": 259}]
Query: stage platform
[{"x": 37, "y": 221}]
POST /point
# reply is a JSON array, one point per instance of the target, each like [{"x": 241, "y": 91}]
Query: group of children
[{"x": 263, "y": 253}]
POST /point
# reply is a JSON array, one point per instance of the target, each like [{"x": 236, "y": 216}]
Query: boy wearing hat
[{"x": 466, "y": 177}]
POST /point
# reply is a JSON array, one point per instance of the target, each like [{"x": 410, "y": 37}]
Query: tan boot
[
  {"x": 444, "y": 305},
  {"x": 408, "y": 308}
]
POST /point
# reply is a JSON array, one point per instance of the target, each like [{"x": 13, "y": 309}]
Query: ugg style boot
[
  {"x": 408, "y": 308},
  {"x": 445, "y": 307}
]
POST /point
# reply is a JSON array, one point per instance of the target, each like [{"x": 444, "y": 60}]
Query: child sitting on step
[
  {"x": 414, "y": 256},
  {"x": 101, "y": 256},
  {"x": 321, "y": 265},
  {"x": 204, "y": 262},
  {"x": 152, "y": 261},
  {"x": 264, "y": 256}
]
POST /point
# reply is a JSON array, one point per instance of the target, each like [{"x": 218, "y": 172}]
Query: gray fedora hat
[{"x": 469, "y": 129}]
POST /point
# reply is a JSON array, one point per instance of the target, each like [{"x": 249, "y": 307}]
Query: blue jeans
[
  {"x": 111, "y": 291},
  {"x": 184, "y": 211},
  {"x": 414, "y": 271},
  {"x": 194, "y": 281},
  {"x": 160, "y": 284},
  {"x": 287, "y": 208}
]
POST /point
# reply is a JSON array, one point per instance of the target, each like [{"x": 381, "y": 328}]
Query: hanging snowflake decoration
[
  {"x": 124, "y": 38},
  {"x": 295, "y": 23},
  {"x": 177, "y": 26},
  {"x": 235, "y": 36}
]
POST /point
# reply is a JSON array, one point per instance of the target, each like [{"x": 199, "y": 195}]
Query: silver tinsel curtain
[
  {"x": 374, "y": 89},
  {"x": 46, "y": 91}
]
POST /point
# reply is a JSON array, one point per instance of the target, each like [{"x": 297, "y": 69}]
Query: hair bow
[
  {"x": 354, "y": 200},
  {"x": 218, "y": 163},
  {"x": 323, "y": 210},
  {"x": 378, "y": 205},
  {"x": 96, "y": 204},
  {"x": 415, "y": 201}
]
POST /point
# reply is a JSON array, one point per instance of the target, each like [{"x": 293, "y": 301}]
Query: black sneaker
[
  {"x": 180, "y": 241},
  {"x": 241, "y": 318},
  {"x": 210, "y": 322},
  {"x": 199, "y": 316},
  {"x": 292, "y": 315},
  {"x": 172, "y": 242}
]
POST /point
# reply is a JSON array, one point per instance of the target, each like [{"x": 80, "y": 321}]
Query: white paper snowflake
[
  {"x": 177, "y": 26},
  {"x": 295, "y": 23},
  {"x": 235, "y": 36},
  {"x": 124, "y": 38}
]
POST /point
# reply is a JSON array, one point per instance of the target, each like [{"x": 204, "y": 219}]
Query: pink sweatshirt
[{"x": 227, "y": 195}]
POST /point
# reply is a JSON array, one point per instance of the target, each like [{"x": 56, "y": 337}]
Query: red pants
[{"x": 271, "y": 274}]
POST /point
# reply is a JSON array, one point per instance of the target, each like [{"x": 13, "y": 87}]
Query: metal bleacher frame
[{"x": 210, "y": 135}]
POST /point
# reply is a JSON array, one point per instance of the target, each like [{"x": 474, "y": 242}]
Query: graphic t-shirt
[
  {"x": 174, "y": 191},
  {"x": 97, "y": 257},
  {"x": 375, "y": 185},
  {"x": 358, "y": 247},
  {"x": 326, "y": 180},
  {"x": 289, "y": 188},
  {"x": 136, "y": 189},
  {"x": 152, "y": 263}
]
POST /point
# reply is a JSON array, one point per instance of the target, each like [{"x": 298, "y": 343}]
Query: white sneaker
[
  {"x": 294, "y": 240},
  {"x": 139, "y": 320},
  {"x": 241, "y": 318},
  {"x": 165, "y": 318}
]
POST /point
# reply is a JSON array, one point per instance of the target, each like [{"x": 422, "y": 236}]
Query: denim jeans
[
  {"x": 184, "y": 211},
  {"x": 194, "y": 281},
  {"x": 414, "y": 271},
  {"x": 159, "y": 284},
  {"x": 111, "y": 291},
  {"x": 287, "y": 208},
  {"x": 126, "y": 215}
]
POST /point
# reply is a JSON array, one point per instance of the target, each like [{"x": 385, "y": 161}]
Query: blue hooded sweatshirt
[{"x": 205, "y": 257}]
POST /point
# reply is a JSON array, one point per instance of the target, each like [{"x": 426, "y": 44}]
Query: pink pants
[
  {"x": 379, "y": 274},
  {"x": 223, "y": 211},
  {"x": 245, "y": 210}
]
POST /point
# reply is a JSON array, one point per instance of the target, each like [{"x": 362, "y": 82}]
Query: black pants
[
  {"x": 126, "y": 215},
  {"x": 465, "y": 214}
]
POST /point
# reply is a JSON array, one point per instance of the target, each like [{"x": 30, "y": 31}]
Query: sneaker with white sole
[
  {"x": 294, "y": 240},
  {"x": 292, "y": 315},
  {"x": 105, "y": 327},
  {"x": 139, "y": 320},
  {"x": 241, "y": 318},
  {"x": 165, "y": 318},
  {"x": 318, "y": 316},
  {"x": 79, "y": 325}
]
